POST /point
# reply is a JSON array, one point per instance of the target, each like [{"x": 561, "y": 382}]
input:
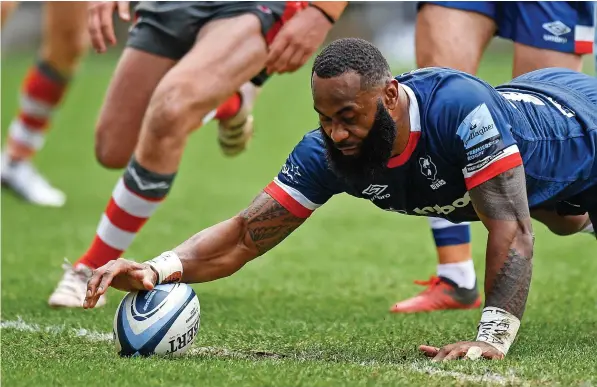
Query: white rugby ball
[{"x": 162, "y": 321}]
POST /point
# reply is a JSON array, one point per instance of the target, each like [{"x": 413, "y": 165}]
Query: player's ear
[{"x": 391, "y": 94}]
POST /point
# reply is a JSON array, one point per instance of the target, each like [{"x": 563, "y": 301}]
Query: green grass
[{"x": 320, "y": 299}]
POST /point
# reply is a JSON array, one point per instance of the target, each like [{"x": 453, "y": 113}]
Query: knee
[
  {"x": 106, "y": 151},
  {"x": 176, "y": 109},
  {"x": 66, "y": 48}
]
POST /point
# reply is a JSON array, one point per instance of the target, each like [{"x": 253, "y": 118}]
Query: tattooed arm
[
  {"x": 213, "y": 253},
  {"x": 223, "y": 249},
  {"x": 502, "y": 205}
]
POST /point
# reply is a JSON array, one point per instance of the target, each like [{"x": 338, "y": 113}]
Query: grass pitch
[{"x": 313, "y": 312}]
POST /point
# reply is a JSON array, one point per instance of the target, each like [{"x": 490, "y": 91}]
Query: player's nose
[{"x": 339, "y": 134}]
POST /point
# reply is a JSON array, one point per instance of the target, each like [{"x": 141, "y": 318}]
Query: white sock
[
  {"x": 589, "y": 229},
  {"x": 462, "y": 273}
]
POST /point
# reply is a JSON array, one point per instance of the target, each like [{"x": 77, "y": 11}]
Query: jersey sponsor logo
[
  {"x": 429, "y": 170},
  {"x": 470, "y": 168},
  {"x": 291, "y": 171},
  {"x": 444, "y": 210},
  {"x": 376, "y": 191},
  {"x": 477, "y": 151},
  {"x": 478, "y": 126}
]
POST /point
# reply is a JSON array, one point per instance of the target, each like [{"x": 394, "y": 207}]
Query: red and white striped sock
[
  {"x": 42, "y": 91},
  {"x": 134, "y": 199}
]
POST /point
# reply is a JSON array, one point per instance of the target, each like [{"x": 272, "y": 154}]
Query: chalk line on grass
[{"x": 417, "y": 366}]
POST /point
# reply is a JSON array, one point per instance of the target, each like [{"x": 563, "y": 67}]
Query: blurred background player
[
  {"x": 64, "y": 42},
  {"x": 455, "y": 34},
  {"x": 194, "y": 56}
]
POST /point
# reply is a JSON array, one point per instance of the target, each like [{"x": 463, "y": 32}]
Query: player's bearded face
[{"x": 374, "y": 151}]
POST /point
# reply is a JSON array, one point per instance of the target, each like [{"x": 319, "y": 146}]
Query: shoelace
[{"x": 431, "y": 283}]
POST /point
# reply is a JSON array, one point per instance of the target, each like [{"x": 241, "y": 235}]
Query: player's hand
[
  {"x": 297, "y": 41},
  {"x": 101, "y": 28},
  {"x": 121, "y": 274},
  {"x": 459, "y": 350}
]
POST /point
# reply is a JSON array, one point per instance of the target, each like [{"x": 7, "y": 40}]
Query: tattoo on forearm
[
  {"x": 511, "y": 284},
  {"x": 269, "y": 222},
  {"x": 502, "y": 204}
]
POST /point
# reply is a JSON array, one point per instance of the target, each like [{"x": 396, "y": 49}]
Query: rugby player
[
  {"x": 434, "y": 140},
  {"x": 182, "y": 60},
  {"x": 455, "y": 34},
  {"x": 64, "y": 41}
]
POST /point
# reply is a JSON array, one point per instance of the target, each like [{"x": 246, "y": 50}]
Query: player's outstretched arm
[
  {"x": 213, "y": 253},
  {"x": 502, "y": 205}
]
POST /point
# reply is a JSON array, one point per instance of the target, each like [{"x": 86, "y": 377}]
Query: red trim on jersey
[
  {"x": 287, "y": 201},
  {"x": 583, "y": 47},
  {"x": 413, "y": 140},
  {"x": 491, "y": 171}
]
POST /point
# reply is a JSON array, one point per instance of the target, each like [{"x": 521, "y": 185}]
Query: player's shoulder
[
  {"x": 310, "y": 153},
  {"x": 440, "y": 88}
]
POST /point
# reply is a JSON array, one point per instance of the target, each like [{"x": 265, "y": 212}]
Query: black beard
[{"x": 374, "y": 152}]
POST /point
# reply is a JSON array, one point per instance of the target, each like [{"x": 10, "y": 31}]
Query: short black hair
[{"x": 353, "y": 54}]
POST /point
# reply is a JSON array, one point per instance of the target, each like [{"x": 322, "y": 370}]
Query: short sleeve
[
  {"x": 474, "y": 123},
  {"x": 305, "y": 182}
]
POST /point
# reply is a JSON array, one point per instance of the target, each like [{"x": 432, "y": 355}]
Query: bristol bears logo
[{"x": 429, "y": 170}]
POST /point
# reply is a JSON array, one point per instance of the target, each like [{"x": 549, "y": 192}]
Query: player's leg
[
  {"x": 149, "y": 55},
  {"x": 455, "y": 286},
  {"x": 564, "y": 225},
  {"x": 549, "y": 34},
  {"x": 6, "y": 9},
  {"x": 176, "y": 107},
  {"x": 64, "y": 42},
  {"x": 451, "y": 34}
]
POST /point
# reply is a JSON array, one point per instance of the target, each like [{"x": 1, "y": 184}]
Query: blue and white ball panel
[{"x": 162, "y": 321}]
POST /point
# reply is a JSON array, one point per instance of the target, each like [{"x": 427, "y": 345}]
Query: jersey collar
[{"x": 415, "y": 129}]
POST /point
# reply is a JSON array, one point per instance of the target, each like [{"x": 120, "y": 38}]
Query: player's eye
[
  {"x": 323, "y": 119},
  {"x": 349, "y": 120}
]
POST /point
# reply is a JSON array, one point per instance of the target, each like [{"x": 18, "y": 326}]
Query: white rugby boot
[
  {"x": 27, "y": 182},
  {"x": 70, "y": 292},
  {"x": 235, "y": 133}
]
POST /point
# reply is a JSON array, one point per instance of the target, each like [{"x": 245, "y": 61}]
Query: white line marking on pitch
[{"x": 418, "y": 367}]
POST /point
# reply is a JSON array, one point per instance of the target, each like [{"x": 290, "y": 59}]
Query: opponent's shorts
[
  {"x": 565, "y": 26},
  {"x": 170, "y": 28}
]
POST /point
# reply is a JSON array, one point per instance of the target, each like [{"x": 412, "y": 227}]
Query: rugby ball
[{"x": 162, "y": 321}]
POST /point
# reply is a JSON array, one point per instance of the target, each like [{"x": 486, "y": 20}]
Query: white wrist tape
[
  {"x": 168, "y": 266},
  {"x": 498, "y": 328}
]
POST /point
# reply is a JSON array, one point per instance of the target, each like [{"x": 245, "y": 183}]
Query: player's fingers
[
  {"x": 492, "y": 355},
  {"x": 456, "y": 353},
  {"x": 275, "y": 50},
  {"x": 124, "y": 10},
  {"x": 97, "y": 40},
  {"x": 281, "y": 64},
  {"x": 296, "y": 61},
  {"x": 106, "y": 24},
  {"x": 143, "y": 276},
  {"x": 443, "y": 352},
  {"x": 428, "y": 350}
]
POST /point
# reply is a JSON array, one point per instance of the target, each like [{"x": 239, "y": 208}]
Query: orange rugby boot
[{"x": 441, "y": 294}]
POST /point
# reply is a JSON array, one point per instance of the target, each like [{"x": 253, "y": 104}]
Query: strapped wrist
[
  {"x": 167, "y": 266},
  {"x": 498, "y": 328}
]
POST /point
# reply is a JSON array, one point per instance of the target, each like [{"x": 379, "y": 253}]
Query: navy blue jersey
[{"x": 463, "y": 133}]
